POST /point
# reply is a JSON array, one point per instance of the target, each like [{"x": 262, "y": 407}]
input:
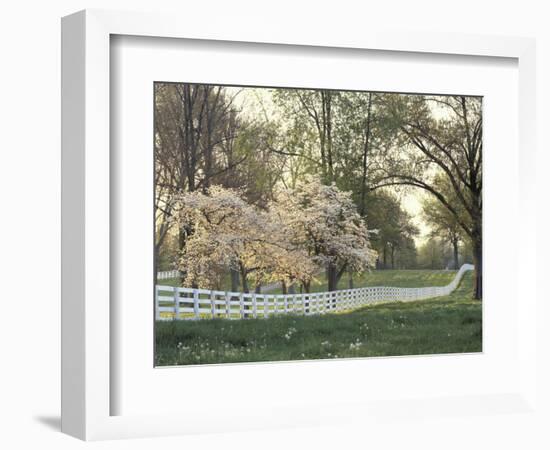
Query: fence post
[
  {"x": 157, "y": 303},
  {"x": 176, "y": 304},
  {"x": 196, "y": 303},
  {"x": 227, "y": 305},
  {"x": 213, "y": 304},
  {"x": 254, "y": 306},
  {"x": 241, "y": 305},
  {"x": 266, "y": 307}
]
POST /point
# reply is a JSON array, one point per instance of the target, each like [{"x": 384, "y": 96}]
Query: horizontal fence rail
[{"x": 180, "y": 303}]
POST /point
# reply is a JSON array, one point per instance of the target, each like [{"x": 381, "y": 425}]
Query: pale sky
[{"x": 411, "y": 202}]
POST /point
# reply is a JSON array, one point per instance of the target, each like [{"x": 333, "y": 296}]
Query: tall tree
[
  {"x": 196, "y": 126},
  {"x": 441, "y": 136}
]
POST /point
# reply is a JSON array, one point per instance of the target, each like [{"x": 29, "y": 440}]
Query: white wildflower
[{"x": 355, "y": 345}]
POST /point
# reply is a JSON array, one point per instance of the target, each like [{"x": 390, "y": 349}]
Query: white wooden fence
[
  {"x": 167, "y": 274},
  {"x": 191, "y": 304}
]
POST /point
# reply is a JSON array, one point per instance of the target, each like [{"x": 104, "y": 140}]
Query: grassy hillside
[
  {"x": 397, "y": 278},
  {"x": 449, "y": 324}
]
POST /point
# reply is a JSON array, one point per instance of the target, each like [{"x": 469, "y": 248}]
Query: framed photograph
[{"x": 292, "y": 229}]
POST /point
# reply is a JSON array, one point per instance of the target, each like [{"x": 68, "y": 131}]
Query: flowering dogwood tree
[
  {"x": 225, "y": 232},
  {"x": 228, "y": 234},
  {"x": 307, "y": 228},
  {"x": 325, "y": 222}
]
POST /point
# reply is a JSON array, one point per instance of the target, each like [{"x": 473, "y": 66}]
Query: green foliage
[
  {"x": 394, "y": 240},
  {"x": 443, "y": 325},
  {"x": 433, "y": 254}
]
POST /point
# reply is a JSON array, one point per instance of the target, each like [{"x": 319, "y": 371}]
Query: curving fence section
[{"x": 179, "y": 303}]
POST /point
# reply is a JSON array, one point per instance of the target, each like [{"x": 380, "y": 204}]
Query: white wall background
[{"x": 30, "y": 192}]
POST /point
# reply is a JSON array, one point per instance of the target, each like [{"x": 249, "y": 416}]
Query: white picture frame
[{"x": 87, "y": 386}]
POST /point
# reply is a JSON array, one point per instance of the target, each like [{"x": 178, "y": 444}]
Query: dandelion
[
  {"x": 355, "y": 345},
  {"x": 181, "y": 347},
  {"x": 289, "y": 333}
]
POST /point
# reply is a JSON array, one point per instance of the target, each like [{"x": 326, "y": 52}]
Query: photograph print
[{"x": 312, "y": 224}]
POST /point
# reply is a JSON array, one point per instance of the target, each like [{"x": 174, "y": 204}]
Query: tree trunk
[
  {"x": 307, "y": 286},
  {"x": 478, "y": 268},
  {"x": 244, "y": 280},
  {"x": 234, "y": 280},
  {"x": 181, "y": 238},
  {"x": 362, "y": 208},
  {"x": 156, "y": 263},
  {"x": 350, "y": 280},
  {"x": 326, "y": 102},
  {"x": 392, "y": 254},
  {"x": 385, "y": 257},
  {"x": 332, "y": 277},
  {"x": 455, "y": 252},
  {"x": 283, "y": 285},
  {"x": 292, "y": 289},
  {"x": 340, "y": 273}
]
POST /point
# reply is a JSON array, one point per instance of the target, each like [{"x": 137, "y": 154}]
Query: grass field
[
  {"x": 449, "y": 324},
  {"x": 396, "y": 278}
]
